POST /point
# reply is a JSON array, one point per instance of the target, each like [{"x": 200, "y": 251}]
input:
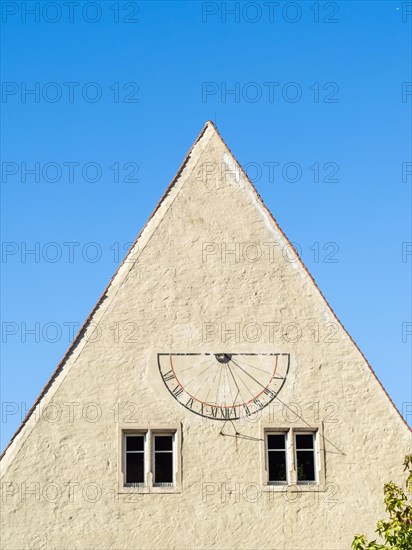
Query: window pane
[
  {"x": 134, "y": 442},
  {"x": 304, "y": 441},
  {"x": 277, "y": 466},
  {"x": 276, "y": 441},
  {"x": 163, "y": 467},
  {"x": 306, "y": 465},
  {"x": 163, "y": 442},
  {"x": 134, "y": 467}
]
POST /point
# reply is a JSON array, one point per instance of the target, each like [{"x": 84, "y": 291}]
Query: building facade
[{"x": 212, "y": 399}]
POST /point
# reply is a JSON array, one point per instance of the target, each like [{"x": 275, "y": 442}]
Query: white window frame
[
  {"x": 153, "y": 456},
  {"x": 292, "y": 484},
  {"x": 315, "y": 459},
  {"x": 285, "y": 451},
  {"x": 150, "y": 433},
  {"x": 126, "y": 452}
]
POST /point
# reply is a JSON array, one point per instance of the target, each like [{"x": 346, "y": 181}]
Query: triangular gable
[{"x": 141, "y": 241}]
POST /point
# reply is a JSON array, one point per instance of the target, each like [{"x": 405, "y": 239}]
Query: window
[
  {"x": 305, "y": 457},
  {"x": 163, "y": 460},
  {"x": 291, "y": 457},
  {"x": 276, "y": 449},
  {"x": 149, "y": 460},
  {"x": 135, "y": 462}
]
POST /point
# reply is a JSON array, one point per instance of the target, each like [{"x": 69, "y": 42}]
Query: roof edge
[
  {"x": 75, "y": 341},
  {"x": 72, "y": 346},
  {"x": 302, "y": 264}
]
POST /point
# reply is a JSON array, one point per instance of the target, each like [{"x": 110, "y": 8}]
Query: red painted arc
[{"x": 224, "y": 406}]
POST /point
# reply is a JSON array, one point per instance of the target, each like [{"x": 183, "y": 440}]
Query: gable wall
[{"x": 170, "y": 292}]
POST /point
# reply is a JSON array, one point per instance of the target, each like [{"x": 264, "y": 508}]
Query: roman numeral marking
[
  {"x": 178, "y": 390},
  {"x": 168, "y": 376},
  {"x": 225, "y": 413},
  {"x": 213, "y": 411}
]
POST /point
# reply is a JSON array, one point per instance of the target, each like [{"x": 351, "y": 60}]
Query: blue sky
[{"x": 315, "y": 85}]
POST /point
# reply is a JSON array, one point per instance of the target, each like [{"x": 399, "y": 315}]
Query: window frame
[
  {"x": 285, "y": 450},
  {"x": 155, "y": 434},
  {"x": 292, "y": 484},
  {"x": 149, "y": 432},
  {"x": 126, "y": 452},
  {"x": 315, "y": 460}
]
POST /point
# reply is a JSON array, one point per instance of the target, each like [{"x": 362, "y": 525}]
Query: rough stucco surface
[{"x": 169, "y": 290}]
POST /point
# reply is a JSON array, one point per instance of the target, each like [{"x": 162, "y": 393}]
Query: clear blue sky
[{"x": 163, "y": 60}]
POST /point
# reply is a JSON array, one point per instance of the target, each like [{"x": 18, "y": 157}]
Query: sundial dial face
[{"x": 224, "y": 386}]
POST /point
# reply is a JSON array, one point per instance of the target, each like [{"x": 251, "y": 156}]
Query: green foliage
[{"x": 397, "y": 530}]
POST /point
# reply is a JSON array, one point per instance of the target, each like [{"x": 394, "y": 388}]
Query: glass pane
[
  {"x": 163, "y": 442},
  {"x": 306, "y": 465},
  {"x": 135, "y": 468},
  {"x": 277, "y": 466},
  {"x": 134, "y": 442},
  {"x": 304, "y": 441},
  {"x": 163, "y": 468},
  {"x": 276, "y": 441}
]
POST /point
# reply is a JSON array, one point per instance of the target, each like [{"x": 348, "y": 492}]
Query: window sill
[
  {"x": 295, "y": 487},
  {"x": 145, "y": 489}
]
